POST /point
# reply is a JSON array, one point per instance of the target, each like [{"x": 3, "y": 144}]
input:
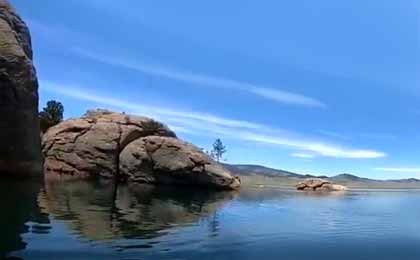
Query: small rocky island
[
  {"x": 128, "y": 148},
  {"x": 316, "y": 184}
]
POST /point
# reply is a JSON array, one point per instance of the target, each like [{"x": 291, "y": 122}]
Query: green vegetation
[
  {"x": 218, "y": 150},
  {"x": 51, "y": 115}
]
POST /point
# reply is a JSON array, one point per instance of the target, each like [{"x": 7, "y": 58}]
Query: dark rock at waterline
[
  {"x": 20, "y": 152},
  {"x": 125, "y": 147}
]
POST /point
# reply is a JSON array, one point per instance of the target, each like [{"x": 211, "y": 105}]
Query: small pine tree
[
  {"x": 218, "y": 150},
  {"x": 51, "y": 115}
]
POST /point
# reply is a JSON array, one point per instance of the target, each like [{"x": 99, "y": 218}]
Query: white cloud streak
[
  {"x": 303, "y": 155},
  {"x": 272, "y": 94},
  {"x": 152, "y": 111},
  {"x": 210, "y": 125},
  {"x": 315, "y": 147}
]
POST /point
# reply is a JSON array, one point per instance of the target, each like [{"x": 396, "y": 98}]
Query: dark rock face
[
  {"x": 20, "y": 152},
  {"x": 316, "y": 184},
  {"x": 126, "y": 147}
]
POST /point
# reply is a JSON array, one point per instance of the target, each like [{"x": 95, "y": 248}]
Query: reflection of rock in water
[
  {"x": 99, "y": 211},
  {"x": 86, "y": 206},
  {"x": 19, "y": 205},
  {"x": 160, "y": 208}
]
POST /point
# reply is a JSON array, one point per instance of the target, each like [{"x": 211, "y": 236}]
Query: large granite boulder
[
  {"x": 127, "y": 148},
  {"x": 156, "y": 159},
  {"x": 90, "y": 146},
  {"x": 315, "y": 184},
  {"x": 20, "y": 152}
]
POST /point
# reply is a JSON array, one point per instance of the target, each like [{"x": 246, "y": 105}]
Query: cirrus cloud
[
  {"x": 205, "y": 124},
  {"x": 198, "y": 79}
]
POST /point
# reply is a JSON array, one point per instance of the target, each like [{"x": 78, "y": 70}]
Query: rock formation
[
  {"x": 156, "y": 159},
  {"x": 319, "y": 185},
  {"x": 20, "y": 152},
  {"x": 126, "y": 147},
  {"x": 90, "y": 146}
]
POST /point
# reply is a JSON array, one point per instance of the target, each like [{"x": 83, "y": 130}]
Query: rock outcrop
[
  {"x": 20, "y": 152},
  {"x": 128, "y": 148},
  {"x": 319, "y": 185},
  {"x": 90, "y": 146},
  {"x": 167, "y": 160}
]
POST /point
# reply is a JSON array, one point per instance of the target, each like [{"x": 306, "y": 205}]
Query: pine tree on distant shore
[{"x": 219, "y": 149}]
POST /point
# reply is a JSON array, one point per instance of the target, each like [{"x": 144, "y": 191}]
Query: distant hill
[
  {"x": 261, "y": 175},
  {"x": 348, "y": 177},
  {"x": 248, "y": 170},
  {"x": 407, "y": 180}
]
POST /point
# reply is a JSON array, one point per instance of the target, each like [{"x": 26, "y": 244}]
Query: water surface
[{"x": 81, "y": 220}]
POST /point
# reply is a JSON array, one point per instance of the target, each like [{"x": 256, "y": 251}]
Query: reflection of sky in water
[{"x": 257, "y": 224}]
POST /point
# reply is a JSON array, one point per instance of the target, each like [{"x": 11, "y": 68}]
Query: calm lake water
[{"x": 99, "y": 221}]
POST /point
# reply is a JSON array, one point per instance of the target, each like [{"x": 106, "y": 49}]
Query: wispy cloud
[
  {"x": 399, "y": 170},
  {"x": 303, "y": 155},
  {"x": 321, "y": 149},
  {"x": 371, "y": 136},
  {"x": 273, "y": 94},
  {"x": 152, "y": 111},
  {"x": 210, "y": 125},
  {"x": 57, "y": 33}
]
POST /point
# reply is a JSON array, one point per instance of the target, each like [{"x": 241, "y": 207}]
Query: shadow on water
[{"x": 19, "y": 206}]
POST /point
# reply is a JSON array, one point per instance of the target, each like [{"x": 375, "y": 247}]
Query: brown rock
[
  {"x": 90, "y": 146},
  {"x": 156, "y": 159},
  {"x": 20, "y": 152},
  {"x": 125, "y": 147},
  {"x": 319, "y": 185}
]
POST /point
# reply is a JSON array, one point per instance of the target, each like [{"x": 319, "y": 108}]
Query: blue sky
[{"x": 320, "y": 87}]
